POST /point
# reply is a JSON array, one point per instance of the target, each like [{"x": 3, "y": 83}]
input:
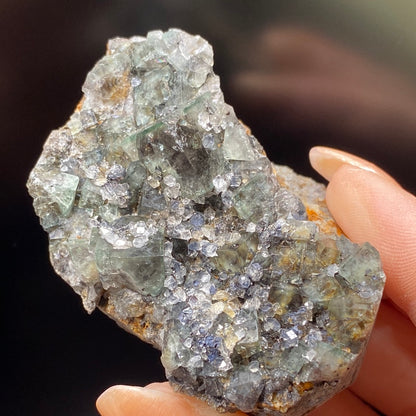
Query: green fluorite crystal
[{"x": 163, "y": 211}]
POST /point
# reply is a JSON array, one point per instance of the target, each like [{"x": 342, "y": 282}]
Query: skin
[{"x": 369, "y": 206}]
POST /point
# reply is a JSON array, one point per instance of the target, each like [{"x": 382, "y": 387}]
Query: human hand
[{"x": 369, "y": 206}]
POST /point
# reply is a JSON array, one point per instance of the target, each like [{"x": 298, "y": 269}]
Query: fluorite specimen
[{"x": 163, "y": 210}]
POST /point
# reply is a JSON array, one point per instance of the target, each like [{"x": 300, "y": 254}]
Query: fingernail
[
  {"x": 122, "y": 400},
  {"x": 326, "y": 161},
  {"x": 149, "y": 401},
  {"x": 162, "y": 387}
]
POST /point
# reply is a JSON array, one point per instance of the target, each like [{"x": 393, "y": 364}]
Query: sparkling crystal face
[{"x": 163, "y": 211}]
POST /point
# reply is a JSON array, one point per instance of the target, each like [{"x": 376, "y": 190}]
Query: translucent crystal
[{"x": 164, "y": 212}]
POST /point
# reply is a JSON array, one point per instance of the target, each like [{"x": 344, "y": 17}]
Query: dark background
[{"x": 57, "y": 359}]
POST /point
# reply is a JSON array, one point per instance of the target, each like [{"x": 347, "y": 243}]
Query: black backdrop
[{"x": 57, "y": 359}]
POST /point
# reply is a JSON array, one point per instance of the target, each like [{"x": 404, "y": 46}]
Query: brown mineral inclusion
[{"x": 163, "y": 211}]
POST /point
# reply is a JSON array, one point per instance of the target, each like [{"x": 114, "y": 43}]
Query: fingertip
[
  {"x": 324, "y": 166},
  {"x": 326, "y": 161},
  {"x": 155, "y": 399},
  {"x": 132, "y": 400},
  {"x": 345, "y": 202},
  {"x": 108, "y": 403}
]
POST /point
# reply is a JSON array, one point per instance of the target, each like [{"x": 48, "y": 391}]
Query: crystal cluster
[{"x": 163, "y": 211}]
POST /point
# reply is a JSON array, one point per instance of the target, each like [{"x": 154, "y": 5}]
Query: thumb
[
  {"x": 156, "y": 399},
  {"x": 369, "y": 206}
]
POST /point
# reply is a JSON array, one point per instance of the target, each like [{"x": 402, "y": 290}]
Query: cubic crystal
[{"x": 164, "y": 212}]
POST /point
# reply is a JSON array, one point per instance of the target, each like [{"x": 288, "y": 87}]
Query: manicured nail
[{"x": 326, "y": 161}]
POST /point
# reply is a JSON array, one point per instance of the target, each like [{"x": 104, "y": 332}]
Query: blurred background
[{"x": 299, "y": 73}]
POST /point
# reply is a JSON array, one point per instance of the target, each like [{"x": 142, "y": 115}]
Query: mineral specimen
[{"x": 163, "y": 211}]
